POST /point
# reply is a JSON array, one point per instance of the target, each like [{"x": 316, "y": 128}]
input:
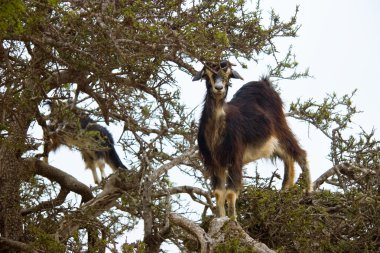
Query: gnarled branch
[
  {"x": 220, "y": 231},
  {"x": 6, "y": 243},
  {"x": 117, "y": 184},
  {"x": 176, "y": 161},
  {"x": 203, "y": 238},
  {"x": 345, "y": 168},
  {"x": 48, "y": 204},
  {"x": 65, "y": 180},
  {"x": 189, "y": 190}
]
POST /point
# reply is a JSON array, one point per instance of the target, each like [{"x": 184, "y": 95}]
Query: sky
[{"x": 338, "y": 41}]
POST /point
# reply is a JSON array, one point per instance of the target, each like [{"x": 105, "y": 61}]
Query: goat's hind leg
[
  {"x": 101, "y": 165},
  {"x": 289, "y": 172},
  {"x": 218, "y": 182},
  {"x": 306, "y": 178},
  {"x": 90, "y": 164},
  {"x": 291, "y": 151}
]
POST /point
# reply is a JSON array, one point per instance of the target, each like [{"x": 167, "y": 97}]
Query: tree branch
[
  {"x": 8, "y": 243},
  {"x": 48, "y": 204},
  {"x": 203, "y": 238},
  {"x": 345, "y": 168},
  {"x": 189, "y": 190},
  {"x": 61, "y": 77},
  {"x": 224, "y": 229},
  {"x": 65, "y": 180},
  {"x": 116, "y": 185},
  {"x": 220, "y": 231},
  {"x": 191, "y": 153}
]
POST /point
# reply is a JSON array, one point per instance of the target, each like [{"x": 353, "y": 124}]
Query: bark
[
  {"x": 224, "y": 229},
  {"x": 194, "y": 192},
  {"x": 14, "y": 245},
  {"x": 59, "y": 200},
  {"x": 348, "y": 169},
  {"x": 221, "y": 230},
  {"x": 66, "y": 181},
  {"x": 10, "y": 180}
]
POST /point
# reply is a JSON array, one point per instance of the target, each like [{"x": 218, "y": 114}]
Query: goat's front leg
[
  {"x": 220, "y": 195},
  {"x": 218, "y": 181},
  {"x": 234, "y": 184},
  {"x": 231, "y": 196}
]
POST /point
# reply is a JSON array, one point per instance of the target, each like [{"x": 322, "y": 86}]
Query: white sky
[{"x": 339, "y": 41}]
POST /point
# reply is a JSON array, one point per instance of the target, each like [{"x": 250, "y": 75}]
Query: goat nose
[
  {"x": 219, "y": 84},
  {"x": 219, "y": 87}
]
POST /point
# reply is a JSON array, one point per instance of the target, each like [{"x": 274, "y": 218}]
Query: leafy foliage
[
  {"x": 117, "y": 61},
  {"x": 323, "y": 222},
  {"x": 334, "y": 117},
  {"x": 11, "y": 17}
]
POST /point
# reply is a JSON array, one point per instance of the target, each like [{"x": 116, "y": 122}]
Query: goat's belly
[{"x": 265, "y": 150}]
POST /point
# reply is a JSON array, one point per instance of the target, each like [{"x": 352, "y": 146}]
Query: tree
[{"x": 116, "y": 61}]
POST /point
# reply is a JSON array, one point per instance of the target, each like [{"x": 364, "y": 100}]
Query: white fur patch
[
  {"x": 264, "y": 151},
  {"x": 219, "y": 112}
]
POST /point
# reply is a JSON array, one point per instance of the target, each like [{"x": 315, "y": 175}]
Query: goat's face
[{"x": 217, "y": 77}]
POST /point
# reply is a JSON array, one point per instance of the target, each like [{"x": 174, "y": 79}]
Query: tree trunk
[{"x": 10, "y": 180}]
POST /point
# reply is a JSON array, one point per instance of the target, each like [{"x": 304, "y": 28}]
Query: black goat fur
[
  {"x": 77, "y": 130},
  {"x": 249, "y": 127}
]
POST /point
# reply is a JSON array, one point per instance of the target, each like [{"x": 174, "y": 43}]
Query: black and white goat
[
  {"x": 251, "y": 126},
  {"x": 78, "y": 130}
]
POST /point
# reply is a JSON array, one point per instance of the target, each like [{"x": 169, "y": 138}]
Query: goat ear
[
  {"x": 198, "y": 75},
  {"x": 235, "y": 74}
]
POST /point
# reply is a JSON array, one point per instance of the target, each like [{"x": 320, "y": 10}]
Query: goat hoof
[{"x": 233, "y": 218}]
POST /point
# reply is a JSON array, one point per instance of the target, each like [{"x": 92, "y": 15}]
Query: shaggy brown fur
[
  {"x": 94, "y": 141},
  {"x": 251, "y": 126}
]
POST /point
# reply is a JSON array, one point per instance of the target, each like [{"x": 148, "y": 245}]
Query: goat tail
[
  {"x": 114, "y": 159},
  {"x": 266, "y": 80}
]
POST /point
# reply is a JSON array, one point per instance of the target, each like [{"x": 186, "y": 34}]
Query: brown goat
[
  {"x": 251, "y": 126},
  {"x": 78, "y": 130}
]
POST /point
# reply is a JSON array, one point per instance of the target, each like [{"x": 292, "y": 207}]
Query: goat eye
[
  {"x": 213, "y": 65},
  {"x": 223, "y": 64}
]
